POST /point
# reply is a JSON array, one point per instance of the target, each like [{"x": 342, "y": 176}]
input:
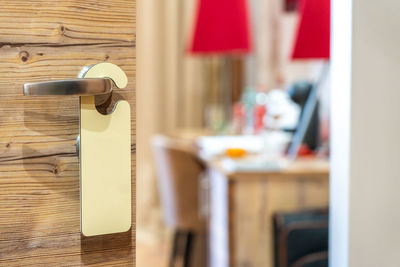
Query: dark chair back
[{"x": 300, "y": 236}]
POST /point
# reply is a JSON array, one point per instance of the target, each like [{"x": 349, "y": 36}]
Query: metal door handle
[{"x": 80, "y": 87}]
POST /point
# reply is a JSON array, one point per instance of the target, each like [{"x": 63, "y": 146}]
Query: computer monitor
[{"x": 309, "y": 116}]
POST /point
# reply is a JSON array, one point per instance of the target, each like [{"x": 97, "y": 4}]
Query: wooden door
[{"x": 43, "y": 40}]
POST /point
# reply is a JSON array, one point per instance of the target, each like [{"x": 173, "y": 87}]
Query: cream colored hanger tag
[{"x": 105, "y": 160}]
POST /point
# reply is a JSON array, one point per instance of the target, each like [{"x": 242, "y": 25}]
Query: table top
[{"x": 310, "y": 168}]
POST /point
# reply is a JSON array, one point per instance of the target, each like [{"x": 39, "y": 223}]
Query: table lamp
[{"x": 221, "y": 27}]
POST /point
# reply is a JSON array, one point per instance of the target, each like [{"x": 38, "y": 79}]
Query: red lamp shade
[
  {"x": 313, "y": 32},
  {"x": 221, "y": 27}
]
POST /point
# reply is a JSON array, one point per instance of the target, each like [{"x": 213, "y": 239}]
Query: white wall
[{"x": 365, "y": 181}]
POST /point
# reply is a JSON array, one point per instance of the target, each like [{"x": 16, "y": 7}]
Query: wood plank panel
[
  {"x": 257, "y": 201},
  {"x": 39, "y": 169},
  {"x": 63, "y": 23}
]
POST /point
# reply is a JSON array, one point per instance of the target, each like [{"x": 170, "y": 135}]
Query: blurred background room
[
  {"x": 268, "y": 133},
  {"x": 233, "y": 143}
]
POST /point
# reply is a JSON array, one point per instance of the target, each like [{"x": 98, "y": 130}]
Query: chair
[{"x": 179, "y": 171}]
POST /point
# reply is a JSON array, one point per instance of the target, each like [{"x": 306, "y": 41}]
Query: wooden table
[{"x": 242, "y": 205}]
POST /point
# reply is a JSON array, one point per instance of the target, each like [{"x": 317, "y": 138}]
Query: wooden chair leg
[
  {"x": 174, "y": 248},
  {"x": 181, "y": 250},
  {"x": 188, "y": 248}
]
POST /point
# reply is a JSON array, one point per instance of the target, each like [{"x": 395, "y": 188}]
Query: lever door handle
[{"x": 81, "y": 87}]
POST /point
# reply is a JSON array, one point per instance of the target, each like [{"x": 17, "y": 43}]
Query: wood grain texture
[
  {"x": 39, "y": 170},
  {"x": 64, "y": 23}
]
